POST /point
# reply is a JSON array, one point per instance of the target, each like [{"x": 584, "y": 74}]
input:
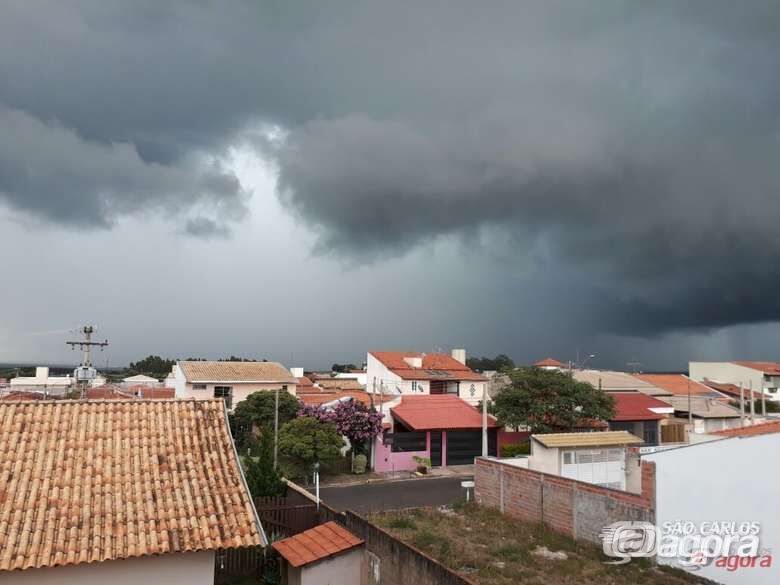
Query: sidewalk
[{"x": 372, "y": 477}]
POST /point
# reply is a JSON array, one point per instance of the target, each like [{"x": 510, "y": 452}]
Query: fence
[{"x": 281, "y": 517}]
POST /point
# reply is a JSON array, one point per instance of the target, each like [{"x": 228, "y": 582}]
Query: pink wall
[{"x": 386, "y": 460}]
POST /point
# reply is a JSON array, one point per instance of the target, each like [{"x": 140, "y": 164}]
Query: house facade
[
  {"x": 231, "y": 381},
  {"x": 120, "y": 491},
  {"x": 751, "y": 375},
  {"x": 416, "y": 373}
]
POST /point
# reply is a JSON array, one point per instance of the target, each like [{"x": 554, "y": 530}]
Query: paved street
[{"x": 391, "y": 496}]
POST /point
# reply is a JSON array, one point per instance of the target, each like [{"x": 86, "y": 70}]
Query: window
[
  {"x": 198, "y": 386},
  {"x": 405, "y": 442},
  {"x": 226, "y": 393}
]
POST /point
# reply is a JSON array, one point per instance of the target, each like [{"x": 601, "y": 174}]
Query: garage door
[
  {"x": 605, "y": 467},
  {"x": 464, "y": 446}
]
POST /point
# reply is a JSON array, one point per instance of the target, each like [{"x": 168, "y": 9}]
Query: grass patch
[{"x": 494, "y": 549}]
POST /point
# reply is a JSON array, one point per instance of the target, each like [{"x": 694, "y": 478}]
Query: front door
[{"x": 436, "y": 448}]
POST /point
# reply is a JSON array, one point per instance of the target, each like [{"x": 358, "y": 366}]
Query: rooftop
[
  {"x": 702, "y": 406},
  {"x": 318, "y": 398},
  {"x": 435, "y": 366},
  {"x": 549, "y": 362},
  {"x": 677, "y": 384},
  {"x": 772, "y": 368},
  {"x": 637, "y": 406},
  {"x": 199, "y": 372},
  {"x": 732, "y": 390},
  {"x": 438, "y": 411},
  {"x": 89, "y": 481},
  {"x": 316, "y": 544},
  {"x": 597, "y": 439},
  {"x": 613, "y": 381},
  {"x": 752, "y": 431}
]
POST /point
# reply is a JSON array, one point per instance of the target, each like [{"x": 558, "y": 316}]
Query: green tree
[
  {"x": 305, "y": 441},
  {"x": 549, "y": 401},
  {"x": 261, "y": 477},
  {"x": 152, "y": 365},
  {"x": 342, "y": 368},
  {"x": 256, "y": 412},
  {"x": 500, "y": 363}
]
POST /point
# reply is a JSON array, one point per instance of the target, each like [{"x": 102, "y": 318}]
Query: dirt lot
[{"x": 493, "y": 549}]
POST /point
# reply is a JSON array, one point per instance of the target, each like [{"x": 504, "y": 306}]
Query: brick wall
[{"x": 571, "y": 507}]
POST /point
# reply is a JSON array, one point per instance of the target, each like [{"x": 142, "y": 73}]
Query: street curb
[{"x": 400, "y": 479}]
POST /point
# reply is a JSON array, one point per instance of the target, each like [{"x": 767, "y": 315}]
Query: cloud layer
[{"x": 619, "y": 152}]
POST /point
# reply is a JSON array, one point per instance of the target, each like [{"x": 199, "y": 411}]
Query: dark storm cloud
[{"x": 632, "y": 147}]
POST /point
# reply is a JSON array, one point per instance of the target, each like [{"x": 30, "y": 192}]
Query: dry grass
[{"x": 493, "y": 549}]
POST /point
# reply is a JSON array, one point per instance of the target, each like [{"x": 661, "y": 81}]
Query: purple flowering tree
[{"x": 353, "y": 419}]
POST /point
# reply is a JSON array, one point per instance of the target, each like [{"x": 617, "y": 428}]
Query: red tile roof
[
  {"x": 732, "y": 390},
  {"x": 636, "y": 406},
  {"x": 435, "y": 366},
  {"x": 766, "y": 367},
  {"x": 676, "y": 384},
  {"x": 21, "y": 395},
  {"x": 438, "y": 411},
  {"x": 550, "y": 362},
  {"x": 751, "y": 431},
  {"x": 317, "y": 543}
]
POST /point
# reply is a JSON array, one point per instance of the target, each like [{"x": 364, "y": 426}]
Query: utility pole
[
  {"x": 741, "y": 405},
  {"x": 85, "y": 371},
  {"x": 484, "y": 421},
  {"x": 276, "y": 426},
  {"x": 763, "y": 403},
  {"x": 752, "y": 405},
  {"x": 690, "y": 410}
]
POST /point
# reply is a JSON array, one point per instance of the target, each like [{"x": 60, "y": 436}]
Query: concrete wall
[
  {"x": 343, "y": 569},
  {"x": 195, "y": 568},
  {"x": 571, "y": 507},
  {"x": 728, "y": 480},
  {"x": 386, "y": 460},
  {"x": 544, "y": 459},
  {"x": 240, "y": 390},
  {"x": 727, "y": 372}
]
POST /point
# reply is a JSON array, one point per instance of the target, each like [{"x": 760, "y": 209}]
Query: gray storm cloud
[{"x": 632, "y": 147}]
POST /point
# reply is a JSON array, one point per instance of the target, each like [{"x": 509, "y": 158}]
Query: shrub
[
  {"x": 402, "y": 523},
  {"x": 516, "y": 449},
  {"x": 360, "y": 463}
]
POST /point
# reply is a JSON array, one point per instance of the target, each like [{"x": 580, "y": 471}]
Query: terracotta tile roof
[
  {"x": 21, "y": 395},
  {"x": 597, "y": 439},
  {"x": 199, "y": 372},
  {"x": 732, "y": 390},
  {"x": 549, "y": 362},
  {"x": 340, "y": 384},
  {"x": 317, "y": 398},
  {"x": 772, "y": 368},
  {"x": 435, "y": 366},
  {"x": 677, "y": 384},
  {"x": 317, "y": 543},
  {"x": 766, "y": 428},
  {"x": 438, "y": 411},
  {"x": 637, "y": 406},
  {"x": 613, "y": 381},
  {"x": 87, "y": 481},
  {"x": 304, "y": 384}
]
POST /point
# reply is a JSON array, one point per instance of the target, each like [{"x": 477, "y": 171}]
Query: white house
[
  {"x": 732, "y": 481},
  {"x": 408, "y": 372},
  {"x": 232, "y": 381},
  {"x": 119, "y": 491},
  {"x": 751, "y": 375},
  {"x": 140, "y": 379},
  {"x": 43, "y": 381}
]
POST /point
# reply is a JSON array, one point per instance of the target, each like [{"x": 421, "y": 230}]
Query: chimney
[
  {"x": 296, "y": 372},
  {"x": 459, "y": 355},
  {"x": 414, "y": 362}
]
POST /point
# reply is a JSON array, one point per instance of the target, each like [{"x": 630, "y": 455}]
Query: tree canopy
[
  {"x": 153, "y": 364},
  {"x": 306, "y": 440},
  {"x": 342, "y": 368},
  {"x": 499, "y": 363},
  {"x": 550, "y": 401},
  {"x": 261, "y": 477},
  {"x": 257, "y": 410},
  {"x": 353, "y": 419}
]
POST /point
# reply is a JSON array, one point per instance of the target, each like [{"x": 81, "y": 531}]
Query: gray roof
[
  {"x": 702, "y": 407},
  {"x": 612, "y": 381}
]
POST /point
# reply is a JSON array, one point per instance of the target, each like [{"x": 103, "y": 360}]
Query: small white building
[
  {"x": 750, "y": 375},
  {"x": 140, "y": 379},
  {"x": 231, "y": 381},
  {"x": 43, "y": 381},
  {"x": 408, "y": 372},
  {"x": 600, "y": 458}
]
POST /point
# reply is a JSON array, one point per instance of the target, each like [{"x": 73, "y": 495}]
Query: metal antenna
[{"x": 635, "y": 366}]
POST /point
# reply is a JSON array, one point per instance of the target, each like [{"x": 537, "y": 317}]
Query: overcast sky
[{"x": 308, "y": 181}]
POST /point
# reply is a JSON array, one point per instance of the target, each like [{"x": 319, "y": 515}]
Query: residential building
[
  {"x": 751, "y": 375},
  {"x": 734, "y": 392},
  {"x": 613, "y": 381},
  {"x": 340, "y": 384},
  {"x": 405, "y": 372},
  {"x": 640, "y": 415},
  {"x": 119, "y": 491},
  {"x": 443, "y": 427},
  {"x": 360, "y": 375},
  {"x": 232, "y": 381},
  {"x": 679, "y": 385},
  {"x": 43, "y": 381},
  {"x": 599, "y": 458},
  {"x": 708, "y": 414},
  {"x": 323, "y": 555},
  {"x": 325, "y": 398},
  {"x": 140, "y": 379},
  {"x": 550, "y": 364}
]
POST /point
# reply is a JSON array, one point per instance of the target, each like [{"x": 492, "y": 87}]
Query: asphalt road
[{"x": 412, "y": 493}]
